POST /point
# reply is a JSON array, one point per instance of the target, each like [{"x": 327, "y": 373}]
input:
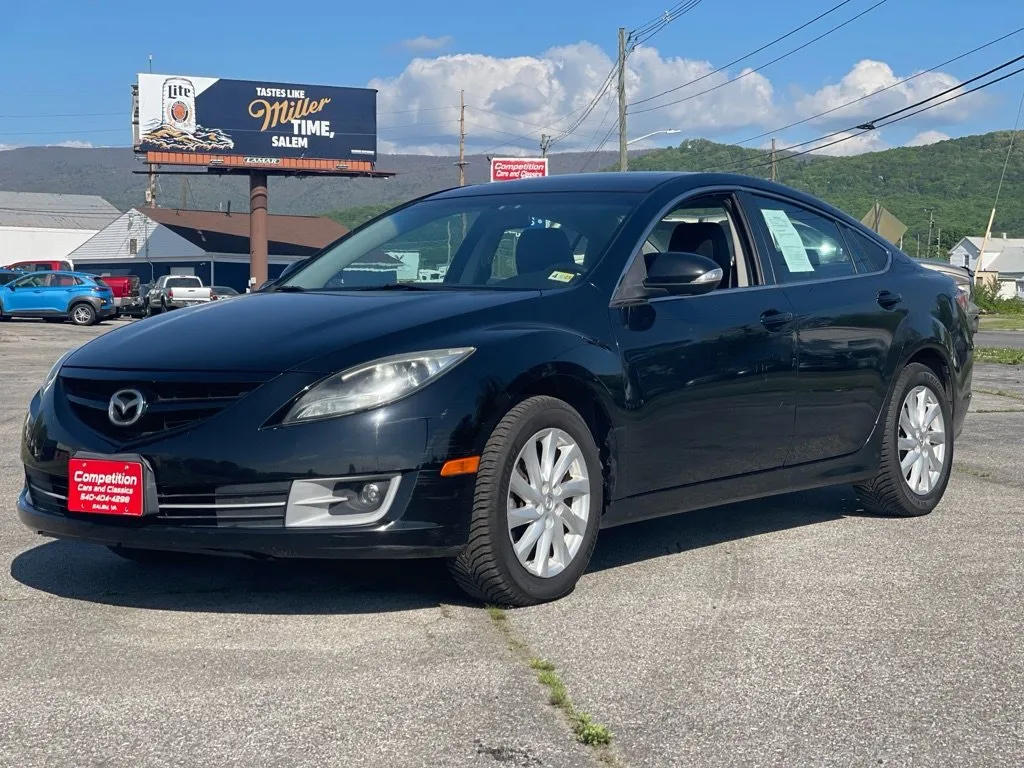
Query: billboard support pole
[{"x": 257, "y": 228}]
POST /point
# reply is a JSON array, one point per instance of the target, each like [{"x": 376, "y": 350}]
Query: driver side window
[{"x": 706, "y": 227}]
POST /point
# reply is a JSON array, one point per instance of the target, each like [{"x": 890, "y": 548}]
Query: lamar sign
[{"x": 511, "y": 168}]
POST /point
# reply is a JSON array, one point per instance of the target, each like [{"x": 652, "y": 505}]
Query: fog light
[
  {"x": 339, "y": 501},
  {"x": 371, "y": 495}
]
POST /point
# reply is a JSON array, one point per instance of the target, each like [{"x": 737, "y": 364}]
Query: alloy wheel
[
  {"x": 81, "y": 315},
  {"x": 922, "y": 440},
  {"x": 548, "y": 502}
]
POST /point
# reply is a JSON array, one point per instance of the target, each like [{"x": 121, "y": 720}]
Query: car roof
[{"x": 641, "y": 182}]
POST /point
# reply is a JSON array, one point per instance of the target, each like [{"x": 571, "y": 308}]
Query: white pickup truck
[{"x": 175, "y": 292}]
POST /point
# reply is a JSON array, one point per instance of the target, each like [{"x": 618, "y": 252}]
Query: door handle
[
  {"x": 888, "y": 299},
  {"x": 772, "y": 319}
]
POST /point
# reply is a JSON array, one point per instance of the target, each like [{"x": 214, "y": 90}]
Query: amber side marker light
[{"x": 460, "y": 466}]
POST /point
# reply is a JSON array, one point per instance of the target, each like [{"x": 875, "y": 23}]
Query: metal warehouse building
[
  {"x": 38, "y": 226},
  {"x": 214, "y": 245}
]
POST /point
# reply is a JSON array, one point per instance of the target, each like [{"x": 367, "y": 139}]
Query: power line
[
  {"x": 875, "y": 126},
  {"x": 646, "y": 31},
  {"x": 880, "y": 90},
  {"x": 744, "y": 57},
  {"x": 763, "y": 66}
]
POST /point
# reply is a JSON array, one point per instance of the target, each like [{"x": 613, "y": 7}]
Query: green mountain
[{"x": 956, "y": 179}]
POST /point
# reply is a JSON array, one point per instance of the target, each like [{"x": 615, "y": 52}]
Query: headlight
[
  {"x": 374, "y": 384},
  {"x": 54, "y": 371}
]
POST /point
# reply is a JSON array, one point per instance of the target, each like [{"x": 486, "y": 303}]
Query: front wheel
[
  {"x": 917, "y": 453},
  {"x": 537, "y": 507}
]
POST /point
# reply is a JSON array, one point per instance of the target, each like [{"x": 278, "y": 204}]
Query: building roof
[
  {"x": 45, "y": 210},
  {"x": 229, "y": 232},
  {"x": 1009, "y": 261},
  {"x": 994, "y": 245}
]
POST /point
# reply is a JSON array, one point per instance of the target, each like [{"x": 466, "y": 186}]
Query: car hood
[{"x": 276, "y": 332}]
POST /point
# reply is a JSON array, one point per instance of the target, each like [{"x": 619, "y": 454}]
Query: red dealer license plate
[{"x": 101, "y": 486}]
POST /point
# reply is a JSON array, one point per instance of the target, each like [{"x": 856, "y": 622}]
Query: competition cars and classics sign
[
  {"x": 510, "y": 168},
  {"x": 212, "y": 121}
]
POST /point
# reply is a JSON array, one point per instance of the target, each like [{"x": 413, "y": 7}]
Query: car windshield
[{"x": 494, "y": 241}]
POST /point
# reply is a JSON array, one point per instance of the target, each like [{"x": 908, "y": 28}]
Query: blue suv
[{"x": 57, "y": 296}]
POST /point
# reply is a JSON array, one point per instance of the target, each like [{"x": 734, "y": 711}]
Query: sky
[{"x": 527, "y": 68}]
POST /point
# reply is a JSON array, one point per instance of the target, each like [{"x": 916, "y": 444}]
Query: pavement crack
[{"x": 588, "y": 732}]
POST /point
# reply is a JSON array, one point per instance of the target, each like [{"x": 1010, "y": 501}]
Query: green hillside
[{"x": 956, "y": 178}]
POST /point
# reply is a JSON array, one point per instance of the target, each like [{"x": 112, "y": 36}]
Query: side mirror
[{"x": 682, "y": 274}]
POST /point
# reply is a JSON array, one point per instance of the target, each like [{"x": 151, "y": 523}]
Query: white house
[
  {"x": 1003, "y": 254},
  {"x": 47, "y": 227}
]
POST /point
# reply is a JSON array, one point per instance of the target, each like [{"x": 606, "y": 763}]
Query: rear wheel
[
  {"x": 83, "y": 314},
  {"x": 537, "y": 507},
  {"x": 917, "y": 453}
]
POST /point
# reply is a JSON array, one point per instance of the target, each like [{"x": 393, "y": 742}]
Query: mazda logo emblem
[{"x": 126, "y": 407}]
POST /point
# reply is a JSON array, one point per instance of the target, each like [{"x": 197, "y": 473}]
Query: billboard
[
  {"x": 212, "y": 121},
  {"x": 509, "y": 168}
]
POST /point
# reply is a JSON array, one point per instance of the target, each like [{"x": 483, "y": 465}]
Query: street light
[{"x": 655, "y": 133}]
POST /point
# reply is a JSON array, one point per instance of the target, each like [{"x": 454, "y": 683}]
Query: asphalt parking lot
[{"x": 793, "y": 631}]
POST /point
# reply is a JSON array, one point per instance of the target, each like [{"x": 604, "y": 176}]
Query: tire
[
  {"x": 3, "y": 318},
  {"x": 149, "y": 556},
  {"x": 889, "y": 492},
  {"x": 82, "y": 314},
  {"x": 488, "y": 568}
]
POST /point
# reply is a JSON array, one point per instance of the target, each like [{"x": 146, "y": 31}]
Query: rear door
[{"x": 846, "y": 316}]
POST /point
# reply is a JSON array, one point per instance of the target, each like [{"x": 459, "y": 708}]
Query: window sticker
[
  {"x": 562, "y": 277},
  {"x": 787, "y": 240}
]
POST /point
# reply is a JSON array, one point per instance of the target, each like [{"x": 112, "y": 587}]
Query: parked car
[
  {"x": 57, "y": 296},
  {"x": 6, "y": 275},
  {"x": 964, "y": 280},
  {"x": 502, "y": 417},
  {"x": 175, "y": 292},
  {"x": 223, "y": 292},
  {"x": 44, "y": 265},
  {"x": 126, "y": 292}
]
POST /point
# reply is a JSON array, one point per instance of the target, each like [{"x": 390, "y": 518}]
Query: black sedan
[{"x": 603, "y": 348}]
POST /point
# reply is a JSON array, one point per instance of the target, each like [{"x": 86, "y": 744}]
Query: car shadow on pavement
[
  {"x": 663, "y": 536},
  {"x": 234, "y": 585},
  {"x": 214, "y": 584}
]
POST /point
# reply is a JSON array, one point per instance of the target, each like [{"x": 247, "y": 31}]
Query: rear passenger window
[
  {"x": 867, "y": 254},
  {"x": 802, "y": 245}
]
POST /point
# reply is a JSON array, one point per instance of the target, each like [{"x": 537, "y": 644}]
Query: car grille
[
  {"x": 170, "y": 405},
  {"x": 259, "y": 505}
]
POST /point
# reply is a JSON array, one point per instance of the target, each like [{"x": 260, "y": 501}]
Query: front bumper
[
  {"x": 403, "y": 539},
  {"x": 224, "y": 483}
]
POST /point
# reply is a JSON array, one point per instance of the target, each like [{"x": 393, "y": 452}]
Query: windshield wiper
[{"x": 386, "y": 287}]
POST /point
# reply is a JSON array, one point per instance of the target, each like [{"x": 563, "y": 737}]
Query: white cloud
[
  {"x": 516, "y": 99},
  {"x": 927, "y": 137},
  {"x": 868, "y": 76},
  {"x": 424, "y": 44},
  {"x": 848, "y": 143},
  {"x": 74, "y": 143}
]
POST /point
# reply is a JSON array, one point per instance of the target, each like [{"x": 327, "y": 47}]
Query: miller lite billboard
[
  {"x": 510, "y": 168},
  {"x": 212, "y": 121}
]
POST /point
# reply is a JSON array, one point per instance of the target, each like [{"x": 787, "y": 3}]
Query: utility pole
[
  {"x": 623, "y": 162},
  {"x": 931, "y": 222},
  {"x": 919, "y": 245},
  {"x": 462, "y": 139},
  {"x": 151, "y": 188},
  {"x": 545, "y": 142},
  {"x": 938, "y": 244},
  {"x": 775, "y": 170}
]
